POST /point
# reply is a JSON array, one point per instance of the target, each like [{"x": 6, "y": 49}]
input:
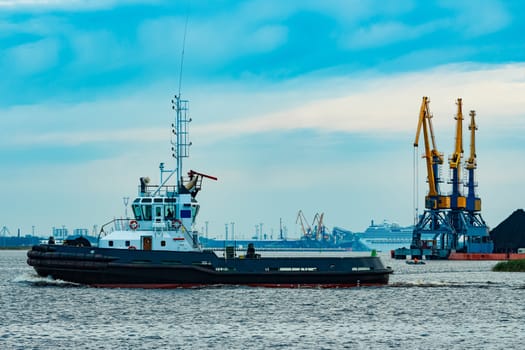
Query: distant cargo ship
[
  {"x": 386, "y": 236},
  {"x": 379, "y": 237},
  {"x": 339, "y": 239}
]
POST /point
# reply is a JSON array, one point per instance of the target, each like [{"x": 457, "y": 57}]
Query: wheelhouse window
[
  {"x": 146, "y": 212},
  {"x": 137, "y": 211},
  {"x": 158, "y": 211},
  {"x": 169, "y": 211}
]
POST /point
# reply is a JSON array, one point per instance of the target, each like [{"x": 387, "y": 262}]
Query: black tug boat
[{"x": 158, "y": 247}]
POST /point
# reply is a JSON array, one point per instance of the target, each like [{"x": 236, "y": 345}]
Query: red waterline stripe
[
  {"x": 148, "y": 285},
  {"x": 314, "y": 285},
  {"x": 263, "y": 285}
]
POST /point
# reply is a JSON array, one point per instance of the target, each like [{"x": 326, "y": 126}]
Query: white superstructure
[{"x": 163, "y": 215}]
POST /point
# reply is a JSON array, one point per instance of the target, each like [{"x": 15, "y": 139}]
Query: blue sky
[{"x": 296, "y": 105}]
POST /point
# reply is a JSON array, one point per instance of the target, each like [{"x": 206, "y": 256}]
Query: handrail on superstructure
[
  {"x": 154, "y": 190},
  {"x": 103, "y": 233}
]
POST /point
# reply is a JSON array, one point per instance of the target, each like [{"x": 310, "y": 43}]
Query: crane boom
[
  {"x": 317, "y": 224},
  {"x": 321, "y": 227},
  {"x": 457, "y": 200},
  {"x": 471, "y": 162},
  {"x": 455, "y": 159},
  {"x": 302, "y": 220},
  {"x": 433, "y": 158},
  {"x": 422, "y": 123},
  {"x": 473, "y": 202}
]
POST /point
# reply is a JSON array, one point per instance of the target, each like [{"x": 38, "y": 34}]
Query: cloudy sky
[{"x": 296, "y": 105}]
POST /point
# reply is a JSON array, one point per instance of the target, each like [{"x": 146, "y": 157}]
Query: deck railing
[{"x": 123, "y": 225}]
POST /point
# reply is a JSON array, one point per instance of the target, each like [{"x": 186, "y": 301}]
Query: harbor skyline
[{"x": 296, "y": 106}]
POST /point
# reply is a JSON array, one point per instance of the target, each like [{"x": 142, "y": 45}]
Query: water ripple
[{"x": 453, "y": 306}]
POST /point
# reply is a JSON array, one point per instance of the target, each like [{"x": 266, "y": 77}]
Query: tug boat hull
[
  {"x": 102, "y": 267},
  {"x": 158, "y": 246}
]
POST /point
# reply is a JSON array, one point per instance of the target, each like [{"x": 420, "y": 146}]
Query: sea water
[{"x": 440, "y": 305}]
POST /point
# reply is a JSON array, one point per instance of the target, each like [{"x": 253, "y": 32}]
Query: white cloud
[
  {"x": 121, "y": 117},
  {"x": 257, "y": 28},
  {"x": 208, "y": 40},
  {"x": 45, "y": 25},
  {"x": 267, "y": 38},
  {"x": 32, "y": 58},
  {"x": 380, "y": 34},
  {"x": 78, "y": 138},
  {"x": 100, "y": 50},
  {"x": 346, "y": 12},
  {"x": 67, "y": 5},
  {"x": 476, "y": 18},
  {"x": 490, "y": 16},
  {"x": 375, "y": 106},
  {"x": 391, "y": 104}
]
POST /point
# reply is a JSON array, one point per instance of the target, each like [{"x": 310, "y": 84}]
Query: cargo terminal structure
[{"x": 453, "y": 220}]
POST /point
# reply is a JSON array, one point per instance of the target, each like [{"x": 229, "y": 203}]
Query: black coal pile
[{"x": 509, "y": 235}]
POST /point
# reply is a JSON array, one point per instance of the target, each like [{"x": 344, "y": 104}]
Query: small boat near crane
[{"x": 159, "y": 248}]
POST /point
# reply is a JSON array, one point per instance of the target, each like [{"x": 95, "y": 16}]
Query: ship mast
[
  {"x": 181, "y": 144},
  {"x": 180, "y": 141}
]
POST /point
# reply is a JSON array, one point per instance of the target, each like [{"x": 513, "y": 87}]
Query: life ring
[
  {"x": 132, "y": 247},
  {"x": 176, "y": 224},
  {"x": 133, "y": 224}
]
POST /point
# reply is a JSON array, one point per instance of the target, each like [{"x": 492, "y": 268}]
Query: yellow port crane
[
  {"x": 457, "y": 200},
  {"x": 475, "y": 232},
  {"x": 434, "y": 199},
  {"x": 457, "y": 226},
  {"x": 433, "y": 222},
  {"x": 473, "y": 203}
]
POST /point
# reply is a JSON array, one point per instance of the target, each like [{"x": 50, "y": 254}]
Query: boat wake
[
  {"x": 38, "y": 281},
  {"x": 446, "y": 284}
]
